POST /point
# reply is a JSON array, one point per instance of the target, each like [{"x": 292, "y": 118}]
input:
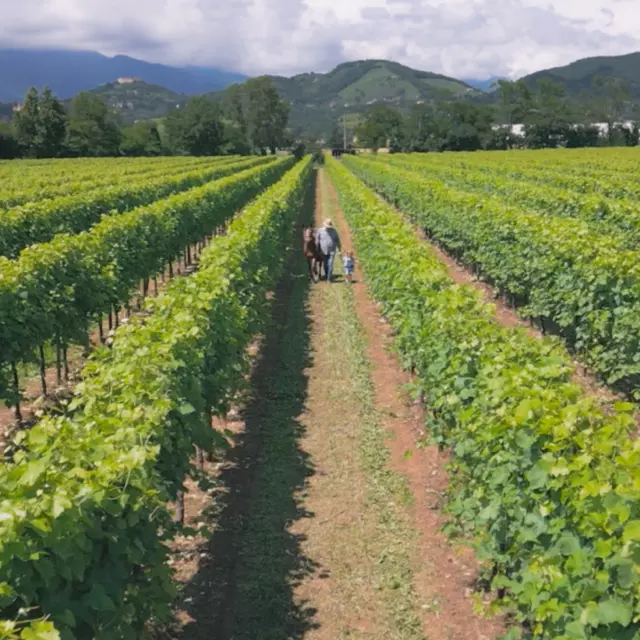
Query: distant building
[
  {"x": 127, "y": 80},
  {"x": 518, "y": 129},
  {"x": 17, "y": 108}
]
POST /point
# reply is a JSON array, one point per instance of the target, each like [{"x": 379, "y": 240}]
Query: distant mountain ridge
[
  {"x": 319, "y": 99},
  {"x": 578, "y": 76},
  {"x": 69, "y": 72}
]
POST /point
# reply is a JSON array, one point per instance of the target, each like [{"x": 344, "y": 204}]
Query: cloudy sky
[{"x": 462, "y": 38}]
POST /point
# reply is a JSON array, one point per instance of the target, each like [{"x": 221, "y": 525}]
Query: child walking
[{"x": 349, "y": 264}]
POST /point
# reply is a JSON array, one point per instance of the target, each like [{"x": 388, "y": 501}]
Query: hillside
[
  {"x": 69, "y": 72},
  {"x": 319, "y": 99},
  {"x": 578, "y": 76},
  {"x": 139, "y": 100}
]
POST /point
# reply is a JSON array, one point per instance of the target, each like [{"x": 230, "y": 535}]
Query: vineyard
[{"x": 200, "y": 443}]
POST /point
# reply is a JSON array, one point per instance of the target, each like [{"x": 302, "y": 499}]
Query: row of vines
[
  {"x": 55, "y": 292},
  {"x": 561, "y": 271},
  {"x": 544, "y": 480},
  {"x": 83, "y": 504}
]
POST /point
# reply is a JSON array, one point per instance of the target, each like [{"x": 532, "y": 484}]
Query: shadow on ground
[{"x": 244, "y": 587}]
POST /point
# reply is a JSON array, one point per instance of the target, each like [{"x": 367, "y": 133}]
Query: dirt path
[
  {"x": 445, "y": 576},
  {"x": 322, "y": 524}
]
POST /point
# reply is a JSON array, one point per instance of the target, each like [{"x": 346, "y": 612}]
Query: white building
[{"x": 518, "y": 129}]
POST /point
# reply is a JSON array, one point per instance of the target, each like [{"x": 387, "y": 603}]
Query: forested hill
[
  {"x": 139, "y": 100},
  {"x": 578, "y": 77},
  {"x": 319, "y": 99}
]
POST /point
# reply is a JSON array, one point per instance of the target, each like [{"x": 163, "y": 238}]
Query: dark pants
[{"x": 328, "y": 266}]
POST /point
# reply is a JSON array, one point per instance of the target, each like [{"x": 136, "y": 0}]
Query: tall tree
[
  {"x": 235, "y": 108},
  {"x": 515, "y": 101},
  {"x": 336, "y": 140},
  {"x": 25, "y": 124},
  {"x": 197, "y": 129},
  {"x": 550, "y": 118},
  {"x": 469, "y": 125},
  {"x": 268, "y": 115},
  {"x": 611, "y": 97},
  {"x": 8, "y": 144},
  {"x": 425, "y": 129},
  {"x": 52, "y": 125},
  {"x": 141, "y": 139},
  {"x": 382, "y": 126},
  {"x": 92, "y": 130}
]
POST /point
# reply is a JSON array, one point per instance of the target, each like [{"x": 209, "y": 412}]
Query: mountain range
[
  {"x": 317, "y": 100},
  {"x": 578, "y": 76},
  {"x": 69, "y": 72}
]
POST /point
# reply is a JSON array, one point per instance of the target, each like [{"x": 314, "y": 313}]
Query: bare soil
[
  {"x": 446, "y": 575},
  {"x": 323, "y": 510}
]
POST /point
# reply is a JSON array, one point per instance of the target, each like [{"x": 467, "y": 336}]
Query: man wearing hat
[{"x": 328, "y": 241}]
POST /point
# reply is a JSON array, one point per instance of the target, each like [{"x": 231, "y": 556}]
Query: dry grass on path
[{"x": 444, "y": 576}]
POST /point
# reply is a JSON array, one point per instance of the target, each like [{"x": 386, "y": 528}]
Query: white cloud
[{"x": 464, "y": 38}]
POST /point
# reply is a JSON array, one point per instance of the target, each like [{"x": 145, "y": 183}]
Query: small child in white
[{"x": 349, "y": 264}]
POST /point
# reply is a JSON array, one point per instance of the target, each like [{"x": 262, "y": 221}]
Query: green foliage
[
  {"x": 557, "y": 269},
  {"x": 197, "y": 129},
  {"x": 382, "y": 127},
  {"x": 8, "y": 144},
  {"x": 86, "y": 499},
  {"x": 51, "y": 126},
  {"x": 139, "y": 100},
  {"x": 141, "y": 139},
  {"x": 318, "y": 100},
  {"x": 55, "y": 290},
  {"x": 40, "y": 126},
  {"x": 26, "y": 124},
  {"x": 514, "y": 101},
  {"x": 452, "y": 126},
  {"x": 33, "y": 630},
  {"x": 39, "y": 221},
  {"x": 544, "y": 481},
  {"x": 92, "y": 130},
  {"x": 581, "y": 75},
  {"x": 256, "y": 114}
]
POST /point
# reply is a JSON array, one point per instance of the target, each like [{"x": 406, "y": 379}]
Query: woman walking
[{"x": 328, "y": 242}]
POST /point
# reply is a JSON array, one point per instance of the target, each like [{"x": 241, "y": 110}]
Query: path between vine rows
[{"x": 324, "y": 511}]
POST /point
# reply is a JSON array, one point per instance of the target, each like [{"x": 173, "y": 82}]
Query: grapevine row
[
  {"x": 85, "y": 521},
  {"x": 60, "y": 169},
  {"x": 35, "y": 189},
  {"x": 558, "y": 271},
  {"x": 579, "y": 162},
  {"x": 543, "y": 480},
  {"x": 616, "y": 217},
  {"x": 40, "y": 221},
  {"x": 56, "y": 290},
  {"x": 610, "y": 185}
]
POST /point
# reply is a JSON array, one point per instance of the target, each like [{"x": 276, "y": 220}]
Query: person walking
[
  {"x": 312, "y": 253},
  {"x": 349, "y": 263},
  {"x": 328, "y": 242}
]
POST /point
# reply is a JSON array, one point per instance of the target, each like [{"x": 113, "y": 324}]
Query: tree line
[
  {"x": 550, "y": 118},
  {"x": 250, "y": 118}
]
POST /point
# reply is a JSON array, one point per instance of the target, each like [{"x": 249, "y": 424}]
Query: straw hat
[{"x": 328, "y": 222}]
